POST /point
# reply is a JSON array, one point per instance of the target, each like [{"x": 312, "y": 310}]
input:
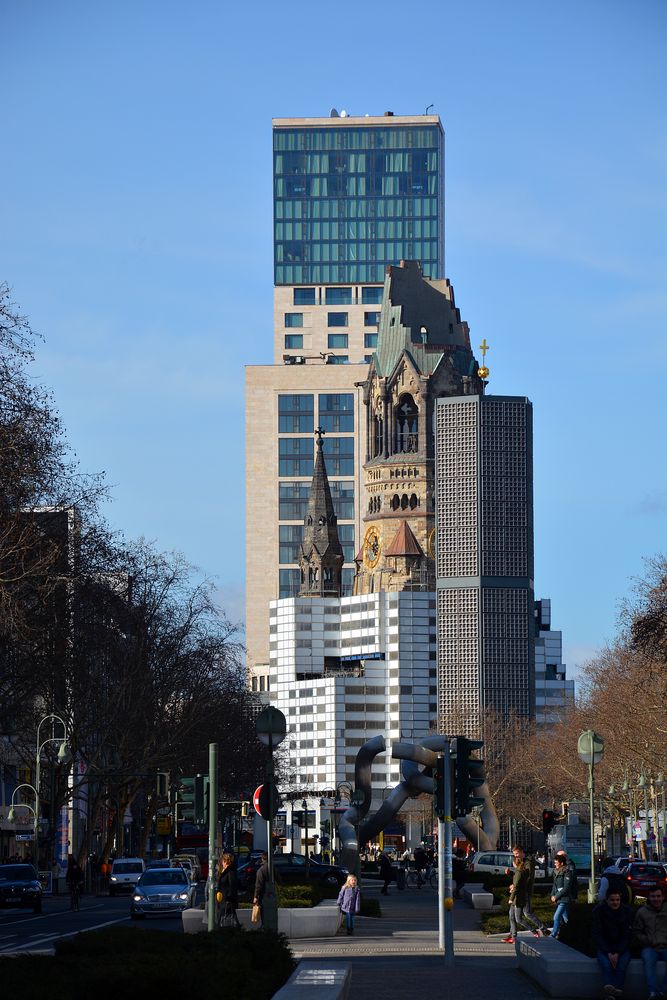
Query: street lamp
[
  {"x": 11, "y": 815},
  {"x": 660, "y": 813},
  {"x": 64, "y": 757},
  {"x": 304, "y": 806}
]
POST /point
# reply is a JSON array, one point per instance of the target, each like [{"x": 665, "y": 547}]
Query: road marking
[
  {"x": 55, "y": 937},
  {"x": 45, "y": 916}
]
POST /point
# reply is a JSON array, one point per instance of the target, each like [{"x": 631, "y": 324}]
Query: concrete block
[{"x": 194, "y": 921}]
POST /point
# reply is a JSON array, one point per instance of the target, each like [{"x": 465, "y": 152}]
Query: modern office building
[
  {"x": 351, "y": 195},
  {"x": 554, "y": 693}
]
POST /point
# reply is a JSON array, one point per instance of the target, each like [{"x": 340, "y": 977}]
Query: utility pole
[{"x": 212, "y": 830}]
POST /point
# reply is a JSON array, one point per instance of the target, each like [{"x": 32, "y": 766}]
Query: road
[{"x": 24, "y": 931}]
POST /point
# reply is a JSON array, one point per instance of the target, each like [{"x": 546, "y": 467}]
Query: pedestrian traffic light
[
  {"x": 245, "y": 808},
  {"x": 548, "y": 821},
  {"x": 185, "y": 799},
  {"x": 439, "y": 787},
  {"x": 201, "y": 799},
  {"x": 469, "y": 772}
]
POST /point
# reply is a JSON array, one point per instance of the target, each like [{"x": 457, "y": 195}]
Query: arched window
[
  {"x": 404, "y": 502},
  {"x": 406, "y": 425},
  {"x": 377, "y": 437},
  {"x": 414, "y": 502},
  {"x": 395, "y": 502}
]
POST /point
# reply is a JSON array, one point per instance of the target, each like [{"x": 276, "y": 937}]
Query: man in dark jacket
[
  {"x": 386, "y": 873},
  {"x": 521, "y": 889},
  {"x": 612, "y": 931},
  {"x": 563, "y": 890},
  {"x": 260, "y": 884}
]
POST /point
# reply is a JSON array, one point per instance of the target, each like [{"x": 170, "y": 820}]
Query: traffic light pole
[
  {"x": 445, "y": 899},
  {"x": 212, "y": 829}
]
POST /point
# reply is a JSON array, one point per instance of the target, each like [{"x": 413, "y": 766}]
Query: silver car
[{"x": 160, "y": 891}]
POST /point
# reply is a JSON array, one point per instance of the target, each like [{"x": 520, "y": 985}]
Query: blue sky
[{"x": 135, "y": 199}]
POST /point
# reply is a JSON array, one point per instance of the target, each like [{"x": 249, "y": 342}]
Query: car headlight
[
  {"x": 113, "y": 878},
  {"x": 180, "y": 895},
  {"x": 137, "y": 897}
]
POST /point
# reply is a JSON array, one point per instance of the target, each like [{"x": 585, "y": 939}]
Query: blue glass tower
[{"x": 352, "y": 195}]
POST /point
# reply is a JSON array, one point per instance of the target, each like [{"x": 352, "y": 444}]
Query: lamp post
[
  {"x": 660, "y": 813},
  {"x": 64, "y": 757},
  {"x": 11, "y": 815},
  {"x": 590, "y": 748},
  {"x": 304, "y": 806}
]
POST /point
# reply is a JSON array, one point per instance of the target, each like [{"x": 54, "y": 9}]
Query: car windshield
[
  {"x": 23, "y": 872},
  {"x": 126, "y": 867},
  {"x": 163, "y": 876}
]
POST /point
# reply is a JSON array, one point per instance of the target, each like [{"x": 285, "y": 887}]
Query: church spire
[{"x": 321, "y": 559}]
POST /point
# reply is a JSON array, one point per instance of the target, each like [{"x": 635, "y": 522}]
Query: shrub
[{"x": 132, "y": 962}]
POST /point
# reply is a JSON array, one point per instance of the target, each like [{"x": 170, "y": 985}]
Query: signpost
[
  {"x": 271, "y": 729},
  {"x": 590, "y": 747}
]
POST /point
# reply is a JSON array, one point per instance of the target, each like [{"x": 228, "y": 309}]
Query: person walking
[
  {"x": 386, "y": 873},
  {"x": 260, "y": 884},
  {"x": 612, "y": 931},
  {"x": 650, "y": 931},
  {"x": 563, "y": 891},
  {"x": 349, "y": 901},
  {"x": 74, "y": 880},
  {"x": 228, "y": 892},
  {"x": 459, "y": 872},
  {"x": 521, "y": 890}
]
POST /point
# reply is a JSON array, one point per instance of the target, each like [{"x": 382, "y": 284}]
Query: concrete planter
[{"x": 322, "y": 920}]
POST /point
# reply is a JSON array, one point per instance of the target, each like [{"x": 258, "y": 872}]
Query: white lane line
[
  {"x": 46, "y": 916},
  {"x": 54, "y": 937}
]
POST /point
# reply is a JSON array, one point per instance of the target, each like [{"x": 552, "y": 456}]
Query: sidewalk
[{"x": 397, "y": 956}]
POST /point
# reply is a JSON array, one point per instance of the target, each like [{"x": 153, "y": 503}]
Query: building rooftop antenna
[{"x": 429, "y": 108}]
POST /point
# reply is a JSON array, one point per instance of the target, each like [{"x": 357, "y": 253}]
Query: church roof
[
  {"x": 404, "y": 543},
  {"x": 420, "y": 316},
  {"x": 320, "y": 524}
]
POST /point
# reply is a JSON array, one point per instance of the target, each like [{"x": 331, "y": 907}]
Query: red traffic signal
[{"x": 548, "y": 821}]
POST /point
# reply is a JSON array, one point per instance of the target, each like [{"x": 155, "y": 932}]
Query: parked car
[
  {"x": 646, "y": 875},
  {"x": 162, "y": 890},
  {"x": 19, "y": 886},
  {"x": 624, "y": 862},
  {"x": 493, "y": 862},
  {"x": 247, "y": 873},
  {"x": 194, "y": 863},
  {"x": 291, "y": 867},
  {"x": 125, "y": 873},
  {"x": 157, "y": 863}
]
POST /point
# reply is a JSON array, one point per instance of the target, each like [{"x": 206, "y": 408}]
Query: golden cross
[{"x": 484, "y": 347}]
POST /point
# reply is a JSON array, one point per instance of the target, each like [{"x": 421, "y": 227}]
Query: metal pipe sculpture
[{"x": 416, "y": 780}]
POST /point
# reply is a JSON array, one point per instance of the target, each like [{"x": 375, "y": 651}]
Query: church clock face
[
  {"x": 430, "y": 545},
  {"x": 372, "y": 547}
]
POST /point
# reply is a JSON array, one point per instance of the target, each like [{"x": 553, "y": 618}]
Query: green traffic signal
[
  {"x": 201, "y": 799},
  {"x": 185, "y": 798}
]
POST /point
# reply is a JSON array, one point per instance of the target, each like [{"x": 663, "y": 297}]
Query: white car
[
  {"x": 125, "y": 873},
  {"x": 493, "y": 862}
]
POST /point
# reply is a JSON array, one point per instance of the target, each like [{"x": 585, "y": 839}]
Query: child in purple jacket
[{"x": 349, "y": 901}]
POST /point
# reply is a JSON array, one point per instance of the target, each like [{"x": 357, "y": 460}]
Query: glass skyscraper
[{"x": 353, "y": 195}]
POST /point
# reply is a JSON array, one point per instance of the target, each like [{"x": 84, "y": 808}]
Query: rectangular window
[
  {"x": 338, "y": 296},
  {"x": 295, "y": 457},
  {"x": 290, "y": 538},
  {"x": 294, "y": 342},
  {"x": 346, "y": 535},
  {"x": 293, "y": 319},
  {"x": 295, "y": 414},
  {"x": 342, "y": 494},
  {"x": 370, "y": 340},
  {"x": 293, "y": 501},
  {"x": 304, "y": 296},
  {"x": 337, "y": 340},
  {"x": 368, "y": 358},
  {"x": 289, "y": 582},
  {"x": 371, "y": 318},
  {"x": 371, "y": 296},
  {"x": 338, "y": 359},
  {"x": 336, "y": 412},
  {"x": 339, "y": 455},
  {"x": 336, "y": 319}
]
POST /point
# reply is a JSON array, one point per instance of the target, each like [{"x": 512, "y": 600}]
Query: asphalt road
[{"x": 22, "y": 931}]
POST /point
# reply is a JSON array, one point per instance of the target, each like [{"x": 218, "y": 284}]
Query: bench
[
  {"x": 477, "y": 896},
  {"x": 563, "y": 972},
  {"x": 317, "y": 980}
]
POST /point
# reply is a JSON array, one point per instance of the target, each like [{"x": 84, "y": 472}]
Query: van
[{"x": 125, "y": 873}]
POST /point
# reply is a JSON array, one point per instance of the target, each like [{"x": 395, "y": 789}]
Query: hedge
[{"x": 133, "y": 962}]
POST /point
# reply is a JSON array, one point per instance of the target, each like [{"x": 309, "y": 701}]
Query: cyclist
[
  {"x": 75, "y": 883},
  {"x": 421, "y": 864}
]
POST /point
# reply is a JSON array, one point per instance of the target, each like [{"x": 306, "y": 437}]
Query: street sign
[
  {"x": 271, "y": 727},
  {"x": 24, "y": 836},
  {"x": 590, "y": 747},
  {"x": 266, "y": 800}
]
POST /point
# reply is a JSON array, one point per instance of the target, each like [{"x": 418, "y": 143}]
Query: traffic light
[
  {"x": 469, "y": 772},
  {"x": 245, "y": 808},
  {"x": 548, "y": 821},
  {"x": 185, "y": 799},
  {"x": 439, "y": 787},
  {"x": 201, "y": 799}
]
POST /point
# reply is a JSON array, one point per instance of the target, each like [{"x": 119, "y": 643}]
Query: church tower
[
  {"x": 423, "y": 353},
  {"x": 321, "y": 557}
]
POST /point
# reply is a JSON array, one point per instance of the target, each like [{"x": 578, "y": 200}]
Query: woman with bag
[
  {"x": 349, "y": 901},
  {"x": 228, "y": 892}
]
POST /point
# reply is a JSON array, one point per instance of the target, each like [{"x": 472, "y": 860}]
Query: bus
[{"x": 192, "y": 839}]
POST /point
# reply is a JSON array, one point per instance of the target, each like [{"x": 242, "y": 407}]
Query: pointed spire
[
  {"x": 322, "y": 556},
  {"x": 404, "y": 542}
]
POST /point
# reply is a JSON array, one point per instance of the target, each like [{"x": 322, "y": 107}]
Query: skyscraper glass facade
[{"x": 348, "y": 200}]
